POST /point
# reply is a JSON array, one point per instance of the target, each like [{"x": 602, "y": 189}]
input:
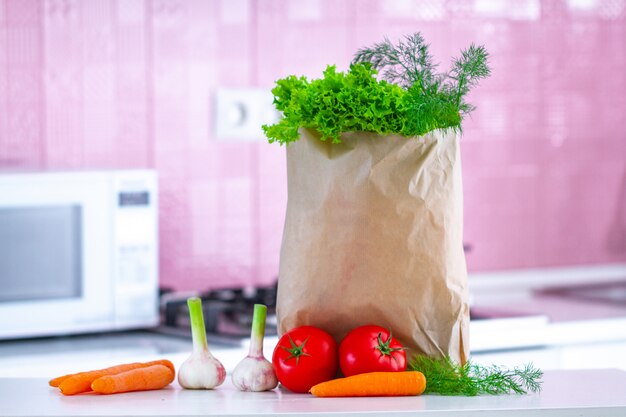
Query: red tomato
[
  {"x": 370, "y": 349},
  {"x": 303, "y": 357}
]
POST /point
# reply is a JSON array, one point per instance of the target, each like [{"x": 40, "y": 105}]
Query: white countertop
[{"x": 565, "y": 393}]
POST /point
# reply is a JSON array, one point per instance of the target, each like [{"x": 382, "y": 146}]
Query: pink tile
[
  {"x": 204, "y": 164},
  {"x": 234, "y": 51},
  {"x": 500, "y": 213},
  {"x": 501, "y": 241},
  {"x": 22, "y": 12},
  {"x": 236, "y": 160},
  {"x": 581, "y": 193},
  {"x": 302, "y": 48}
]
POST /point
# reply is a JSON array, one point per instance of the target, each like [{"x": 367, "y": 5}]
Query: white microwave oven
[{"x": 78, "y": 252}]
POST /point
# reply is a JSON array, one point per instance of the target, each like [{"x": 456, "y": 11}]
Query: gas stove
[{"x": 227, "y": 314}]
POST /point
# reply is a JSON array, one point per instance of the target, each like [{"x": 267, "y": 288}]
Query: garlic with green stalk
[
  {"x": 201, "y": 370},
  {"x": 254, "y": 372}
]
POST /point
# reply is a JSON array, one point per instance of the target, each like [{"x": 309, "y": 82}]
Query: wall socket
[{"x": 240, "y": 113}]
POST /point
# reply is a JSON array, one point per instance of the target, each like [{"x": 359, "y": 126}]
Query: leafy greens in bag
[{"x": 411, "y": 99}]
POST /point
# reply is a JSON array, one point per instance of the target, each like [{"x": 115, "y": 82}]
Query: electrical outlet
[{"x": 240, "y": 113}]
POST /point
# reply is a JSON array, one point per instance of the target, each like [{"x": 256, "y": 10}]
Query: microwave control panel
[{"x": 136, "y": 252}]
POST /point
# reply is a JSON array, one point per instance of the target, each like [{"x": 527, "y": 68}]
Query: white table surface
[{"x": 565, "y": 393}]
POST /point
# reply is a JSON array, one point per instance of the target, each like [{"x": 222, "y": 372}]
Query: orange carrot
[
  {"x": 373, "y": 384},
  {"x": 57, "y": 381},
  {"x": 81, "y": 382},
  {"x": 113, "y": 370},
  {"x": 141, "y": 379}
]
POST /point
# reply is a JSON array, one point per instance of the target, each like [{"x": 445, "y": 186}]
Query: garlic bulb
[
  {"x": 254, "y": 372},
  {"x": 201, "y": 370}
]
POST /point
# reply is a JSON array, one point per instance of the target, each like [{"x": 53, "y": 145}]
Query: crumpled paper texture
[{"x": 374, "y": 235}]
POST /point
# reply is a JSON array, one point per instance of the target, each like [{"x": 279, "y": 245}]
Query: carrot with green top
[
  {"x": 373, "y": 384},
  {"x": 140, "y": 379},
  {"x": 81, "y": 382}
]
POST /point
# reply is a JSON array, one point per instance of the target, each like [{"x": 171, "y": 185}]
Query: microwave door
[
  {"x": 41, "y": 253},
  {"x": 54, "y": 260}
]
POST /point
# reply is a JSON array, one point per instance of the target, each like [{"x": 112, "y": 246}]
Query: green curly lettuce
[{"x": 338, "y": 102}]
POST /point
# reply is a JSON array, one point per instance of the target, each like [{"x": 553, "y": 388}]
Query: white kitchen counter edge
[
  {"x": 565, "y": 393},
  {"x": 510, "y": 281}
]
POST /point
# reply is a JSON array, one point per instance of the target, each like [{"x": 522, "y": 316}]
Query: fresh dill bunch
[
  {"x": 410, "y": 65},
  {"x": 407, "y": 63},
  {"x": 445, "y": 377}
]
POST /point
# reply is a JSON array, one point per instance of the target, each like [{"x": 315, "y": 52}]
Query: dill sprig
[
  {"x": 465, "y": 74},
  {"x": 410, "y": 65},
  {"x": 445, "y": 377},
  {"x": 407, "y": 63}
]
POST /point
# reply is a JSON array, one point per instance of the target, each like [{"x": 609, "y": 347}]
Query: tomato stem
[
  {"x": 384, "y": 346},
  {"x": 295, "y": 351}
]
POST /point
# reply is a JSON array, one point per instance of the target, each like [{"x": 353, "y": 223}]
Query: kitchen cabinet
[{"x": 603, "y": 393}]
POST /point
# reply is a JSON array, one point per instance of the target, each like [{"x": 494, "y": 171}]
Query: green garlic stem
[
  {"x": 258, "y": 331},
  {"x": 198, "y": 331}
]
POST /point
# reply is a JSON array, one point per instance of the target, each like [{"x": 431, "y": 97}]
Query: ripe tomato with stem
[
  {"x": 305, "y": 356},
  {"x": 371, "y": 349}
]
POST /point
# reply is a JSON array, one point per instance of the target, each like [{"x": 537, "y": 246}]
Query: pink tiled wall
[{"x": 130, "y": 83}]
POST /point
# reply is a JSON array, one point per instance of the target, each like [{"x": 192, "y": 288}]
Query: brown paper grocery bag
[{"x": 373, "y": 235}]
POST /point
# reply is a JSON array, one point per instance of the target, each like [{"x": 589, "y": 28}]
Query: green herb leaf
[
  {"x": 445, "y": 377},
  {"x": 408, "y": 63}
]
